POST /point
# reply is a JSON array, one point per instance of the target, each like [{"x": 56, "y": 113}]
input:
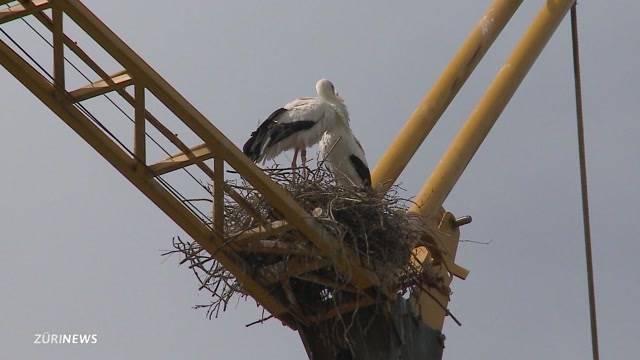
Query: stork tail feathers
[
  {"x": 362, "y": 169},
  {"x": 254, "y": 147}
]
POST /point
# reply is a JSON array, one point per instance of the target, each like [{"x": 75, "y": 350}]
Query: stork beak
[{"x": 338, "y": 96}]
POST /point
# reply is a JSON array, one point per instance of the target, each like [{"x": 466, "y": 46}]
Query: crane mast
[{"x": 213, "y": 153}]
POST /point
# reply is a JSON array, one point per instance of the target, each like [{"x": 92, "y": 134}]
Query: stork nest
[{"x": 375, "y": 227}]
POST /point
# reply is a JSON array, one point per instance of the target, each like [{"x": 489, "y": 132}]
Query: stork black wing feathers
[
  {"x": 271, "y": 132},
  {"x": 283, "y": 131}
]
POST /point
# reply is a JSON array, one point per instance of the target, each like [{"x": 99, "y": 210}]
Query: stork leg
[
  {"x": 303, "y": 157},
  {"x": 293, "y": 164}
]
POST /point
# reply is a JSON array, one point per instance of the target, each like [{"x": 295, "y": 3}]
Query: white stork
[
  {"x": 345, "y": 158},
  {"x": 298, "y": 125}
]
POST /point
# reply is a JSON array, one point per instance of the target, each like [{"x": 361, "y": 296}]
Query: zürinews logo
[{"x": 68, "y": 338}]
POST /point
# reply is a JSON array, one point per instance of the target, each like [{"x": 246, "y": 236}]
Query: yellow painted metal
[
  {"x": 21, "y": 10},
  {"x": 217, "y": 144},
  {"x": 183, "y": 159},
  {"x": 279, "y": 198},
  {"x": 82, "y": 55},
  {"x": 145, "y": 79},
  {"x": 58, "y": 50},
  {"x": 139, "y": 176},
  {"x": 457, "y": 270},
  {"x": 218, "y": 194},
  {"x": 447, "y": 237},
  {"x": 430, "y": 198},
  {"x": 139, "y": 137},
  {"x": 470, "y": 137},
  {"x": 257, "y": 233},
  {"x": 436, "y": 101},
  {"x": 119, "y": 80}
]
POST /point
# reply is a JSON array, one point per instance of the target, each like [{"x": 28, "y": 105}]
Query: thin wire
[
  {"x": 104, "y": 128},
  {"x": 157, "y": 143},
  {"x": 26, "y": 54},
  {"x": 105, "y": 95},
  {"x": 79, "y": 106},
  {"x": 192, "y": 208},
  {"x": 583, "y": 182}
]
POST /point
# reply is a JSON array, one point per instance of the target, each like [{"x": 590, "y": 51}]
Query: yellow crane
[{"x": 141, "y": 79}]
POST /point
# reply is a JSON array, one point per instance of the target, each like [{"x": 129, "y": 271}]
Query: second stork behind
[{"x": 345, "y": 158}]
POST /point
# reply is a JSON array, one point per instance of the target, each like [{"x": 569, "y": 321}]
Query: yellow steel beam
[
  {"x": 73, "y": 46},
  {"x": 216, "y": 141},
  {"x": 138, "y": 175},
  {"x": 119, "y": 80},
  {"x": 431, "y": 310},
  {"x": 260, "y": 232},
  {"x": 58, "y": 50},
  {"x": 470, "y": 137},
  {"x": 435, "y": 190},
  {"x": 21, "y": 10},
  {"x": 218, "y": 194},
  {"x": 183, "y": 159},
  {"x": 434, "y": 225},
  {"x": 457, "y": 270},
  {"x": 139, "y": 132},
  {"x": 436, "y": 101}
]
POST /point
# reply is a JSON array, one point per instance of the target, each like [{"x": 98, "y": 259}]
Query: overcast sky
[{"x": 81, "y": 246}]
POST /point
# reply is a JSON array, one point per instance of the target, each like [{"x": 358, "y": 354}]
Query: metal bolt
[{"x": 462, "y": 221}]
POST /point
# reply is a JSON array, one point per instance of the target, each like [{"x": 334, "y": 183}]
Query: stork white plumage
[
  {"x": 298, "y": 125},
  {"x": 345, "y": 157}
]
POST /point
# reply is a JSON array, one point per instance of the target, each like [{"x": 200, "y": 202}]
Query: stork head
[{"x": 327, "y": 91}]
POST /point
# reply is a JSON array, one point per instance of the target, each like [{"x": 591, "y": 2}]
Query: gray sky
[{"x": 81, "y": 249}]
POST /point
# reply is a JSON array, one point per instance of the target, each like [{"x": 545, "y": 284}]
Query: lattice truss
[{"x": 146, "y": 149}]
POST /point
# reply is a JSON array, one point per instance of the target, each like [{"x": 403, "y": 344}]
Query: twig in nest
[
  {"x": 260, "y": 321},
  {"x": 477, "y": 242},
  {"x": 375, "y": 227}
]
